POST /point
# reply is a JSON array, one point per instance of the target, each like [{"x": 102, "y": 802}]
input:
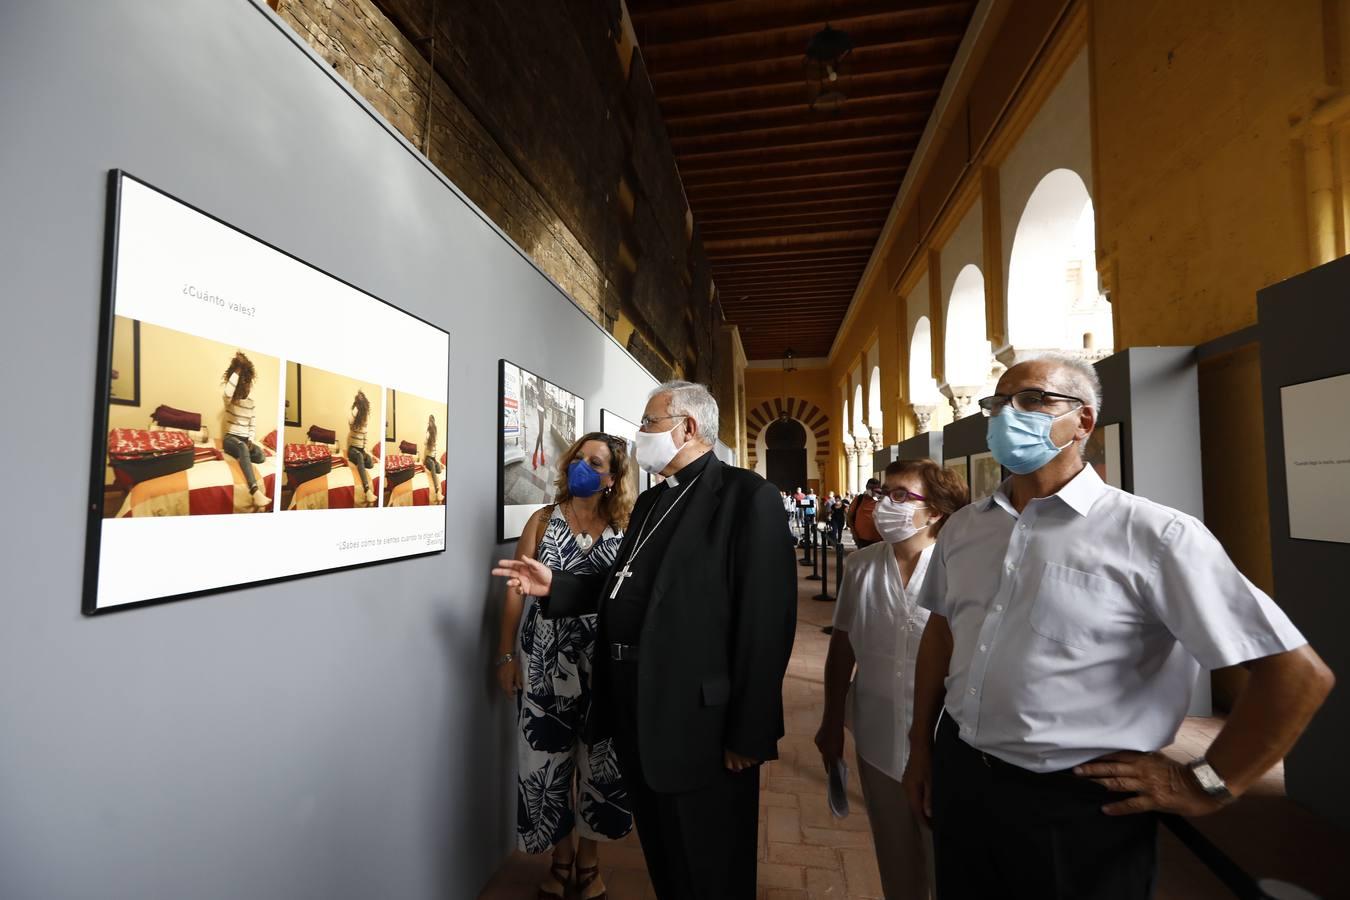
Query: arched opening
[
  {"x": 1054, "y": 302},
  {"x": 857, "y": 421},
  {"x": 785, "y": 454},
  {"x": 968, "y": 363},
  {"x": 923, "y": 391},
  {"x": 874, "y": 407}
]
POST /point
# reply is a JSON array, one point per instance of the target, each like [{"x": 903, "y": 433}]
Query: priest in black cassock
[{"x": 696, "y": 623}]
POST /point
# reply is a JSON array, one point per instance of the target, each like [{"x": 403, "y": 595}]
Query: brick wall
[{"x": 546, "y": 119}]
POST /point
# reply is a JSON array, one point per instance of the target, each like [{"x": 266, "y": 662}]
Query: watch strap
[{"x": 1209, "y": 780}]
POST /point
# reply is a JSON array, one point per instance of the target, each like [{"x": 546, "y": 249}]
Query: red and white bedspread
[
  {"x": 416, "y": 491},
  {"x": 339, "y": 489},
  {"x": 215, "y": 485}
]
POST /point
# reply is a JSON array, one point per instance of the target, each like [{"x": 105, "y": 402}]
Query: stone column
[
  {"x": 923, "y": 415},
  {"x": 864, "y": 462},
  {"x": 851, "y": 469},
  {"x": 965, "y": 400}
]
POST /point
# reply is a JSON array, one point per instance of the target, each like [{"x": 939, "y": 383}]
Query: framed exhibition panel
[
  {"x": 1103, "y": 453},
  {"x": 1317, "y": 458},
  {"x": 985, "y": 476},
  {"x": 539, "y": 421},
  {"x": 615, "y": 424},
  {"x": 258, "y": 393},
  {"x": 958, "y": 464}
]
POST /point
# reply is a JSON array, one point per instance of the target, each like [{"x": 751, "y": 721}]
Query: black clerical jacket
[{"x": 716, "y": 636}]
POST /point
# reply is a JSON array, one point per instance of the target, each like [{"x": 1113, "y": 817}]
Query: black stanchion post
[
  {"x": 838, "y": 565},
  {"x": 815, "y": 556},
  {"x": 824, "y": 571}
]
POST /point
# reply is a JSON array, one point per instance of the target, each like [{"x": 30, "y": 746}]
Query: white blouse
[{"x": 884, "y": 624}]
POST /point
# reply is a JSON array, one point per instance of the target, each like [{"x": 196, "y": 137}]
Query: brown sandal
[
  {"x": 562, "y": 873},
  {"x": 586, "y": 875}
]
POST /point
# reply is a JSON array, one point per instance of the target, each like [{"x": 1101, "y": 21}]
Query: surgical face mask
[
  {"x": 1020, "y": 441},
  {"x": 582, "y": 480},
  {"x": 656, "y": 450},
  {"x": 895, "y": 521}
]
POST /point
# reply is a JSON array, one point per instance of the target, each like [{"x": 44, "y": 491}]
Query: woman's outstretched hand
[{"x": 529, "y": 576}]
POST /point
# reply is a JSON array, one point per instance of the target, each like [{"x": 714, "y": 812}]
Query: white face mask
[
  {"x": 654, "y": 451},
  {"x": 895, "y": 521}
]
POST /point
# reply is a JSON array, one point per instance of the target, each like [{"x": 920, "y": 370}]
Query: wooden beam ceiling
[{"x": 789, "y": 202}]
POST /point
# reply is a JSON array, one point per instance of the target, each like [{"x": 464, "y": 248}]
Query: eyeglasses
[
  {"x": 1030, "y": 400},
  {"x": 900, "y": 495},
  {"x": 652, "y": 420}
]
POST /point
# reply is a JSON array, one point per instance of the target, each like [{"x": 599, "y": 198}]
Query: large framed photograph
[
  {"x": 985, "y": 476},
  {"x": 1317, "y": 458},
  {"x": 415, "y": 457},
  {"x": 615, "y": 424},
  {"x": 539, "y": 421},
  {"x": 239, "y": 384},
  {"x": 958, "y": 464}
]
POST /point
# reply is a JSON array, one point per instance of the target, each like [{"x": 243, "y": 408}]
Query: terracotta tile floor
[{"x": 805, "y": 853}]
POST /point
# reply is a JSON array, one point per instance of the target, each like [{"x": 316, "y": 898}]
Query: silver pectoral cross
[{"x": 619, "y": 576}]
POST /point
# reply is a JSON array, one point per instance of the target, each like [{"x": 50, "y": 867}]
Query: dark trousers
[
  {"x": 700, "y": 844},
  {"x": 245, "y": 451},
  {"x": 1002, "y": 831}
]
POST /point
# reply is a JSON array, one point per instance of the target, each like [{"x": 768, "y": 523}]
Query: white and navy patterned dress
[{"x": 557, "y": 655}]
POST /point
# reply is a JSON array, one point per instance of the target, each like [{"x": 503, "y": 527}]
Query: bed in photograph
[
  {"x": 340, "y": 488},
  {"x": 213, "y": 485}
]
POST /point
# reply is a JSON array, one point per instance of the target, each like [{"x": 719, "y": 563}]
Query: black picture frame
[
  {"x": 645, "y": 479},
  {"x": 135, "y": 368},
  {"x": 108, "y": 304},
  {"x": 390, "y": 424},
  {"x": 299, "y": 397}
]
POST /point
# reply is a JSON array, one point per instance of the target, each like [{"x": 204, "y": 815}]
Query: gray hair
[
  {"x": 1077, "y": 377},
  {"x": 695, "y": 401}
]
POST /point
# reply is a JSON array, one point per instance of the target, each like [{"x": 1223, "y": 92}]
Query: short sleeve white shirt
[
  {"x": 1077, "y": 625},
  {"x": 884, "y": 625}
]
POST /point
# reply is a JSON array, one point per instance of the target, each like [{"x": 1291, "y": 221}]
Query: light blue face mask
[{"x": 1020, "y": 441}]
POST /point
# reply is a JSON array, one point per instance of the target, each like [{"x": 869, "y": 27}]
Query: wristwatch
[
  {"x": 1209, "y": 780},
  {"x": 507, "y": 657}
]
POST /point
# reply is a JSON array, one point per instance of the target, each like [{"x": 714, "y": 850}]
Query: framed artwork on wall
[
  {"x": 1103, "y": 454},
  {"x": 197, "y": 319},
  {"x": 985, "y": 476},
  {"x": 1317, "y": 458},
  {"x": 538, "y": 422},
  {"x": 615, "y": 424},
  {"x": 958, "y": 464}
]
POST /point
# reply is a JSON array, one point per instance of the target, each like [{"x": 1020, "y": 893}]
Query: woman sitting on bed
[
  {"x": 356, "y": 439},
  {"x": 239, "y": 431}
]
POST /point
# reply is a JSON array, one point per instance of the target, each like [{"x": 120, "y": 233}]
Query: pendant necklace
[{"x": 583, "y": 539}]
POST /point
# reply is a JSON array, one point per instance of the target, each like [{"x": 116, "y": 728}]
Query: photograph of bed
[
  {"x": 175, "y": 442},
  {"x": 332, "y": 441},
  {"x": 414, "y": 455}
]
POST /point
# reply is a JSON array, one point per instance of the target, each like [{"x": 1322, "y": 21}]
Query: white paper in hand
[{"x": 837, "y": 773}]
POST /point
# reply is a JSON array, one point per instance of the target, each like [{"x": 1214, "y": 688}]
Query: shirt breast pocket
[{"x": 1082, "y": 610}]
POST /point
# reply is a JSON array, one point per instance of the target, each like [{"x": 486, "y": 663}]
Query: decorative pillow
[
  {"x": 135, "y": 443},
  {"x": 271, "y": 440},
  {"x": 398, "y": 462},
  {"x": 322, "y": 435},
  {"x": 408, "y": 447},
  {"x": 303, "y": 454},
  {"x": 177, "y": 418}
]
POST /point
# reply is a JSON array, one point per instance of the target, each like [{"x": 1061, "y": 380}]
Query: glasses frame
[
  {"x": 652, "y": 420},
  {"x": 1002, "y": 401},
  {"x": 907, "y": 495}
]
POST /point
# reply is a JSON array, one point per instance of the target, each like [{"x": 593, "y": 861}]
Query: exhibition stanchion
[
  {"x": 838, "y": 564},
  {"x": 805, "y": 544},
  {"x": 815, "y": 554},
  {"x": 825, "y": 569}
]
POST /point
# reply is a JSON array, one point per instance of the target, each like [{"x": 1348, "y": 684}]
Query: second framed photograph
[
  {"x": 615, "y": 424},
  {"x": 985, "y": 476},
  {"x": 539, "y": 421}
]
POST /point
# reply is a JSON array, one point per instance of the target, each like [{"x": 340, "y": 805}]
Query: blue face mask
[
  {"x": 582, "y": 480},
  {"x": 1020, "y": 441}
]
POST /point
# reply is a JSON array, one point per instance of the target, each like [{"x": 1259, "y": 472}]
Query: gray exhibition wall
[{"x": 338, "y": 736}]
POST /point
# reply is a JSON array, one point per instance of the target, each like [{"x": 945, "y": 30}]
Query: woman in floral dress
[{"x": 566, "y": 784}]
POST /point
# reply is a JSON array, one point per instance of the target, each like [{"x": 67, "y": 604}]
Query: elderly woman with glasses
[{"x": 877, "y": 627}]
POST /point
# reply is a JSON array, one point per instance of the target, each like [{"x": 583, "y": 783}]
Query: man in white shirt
[{"x": 1067, "y": 621}]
